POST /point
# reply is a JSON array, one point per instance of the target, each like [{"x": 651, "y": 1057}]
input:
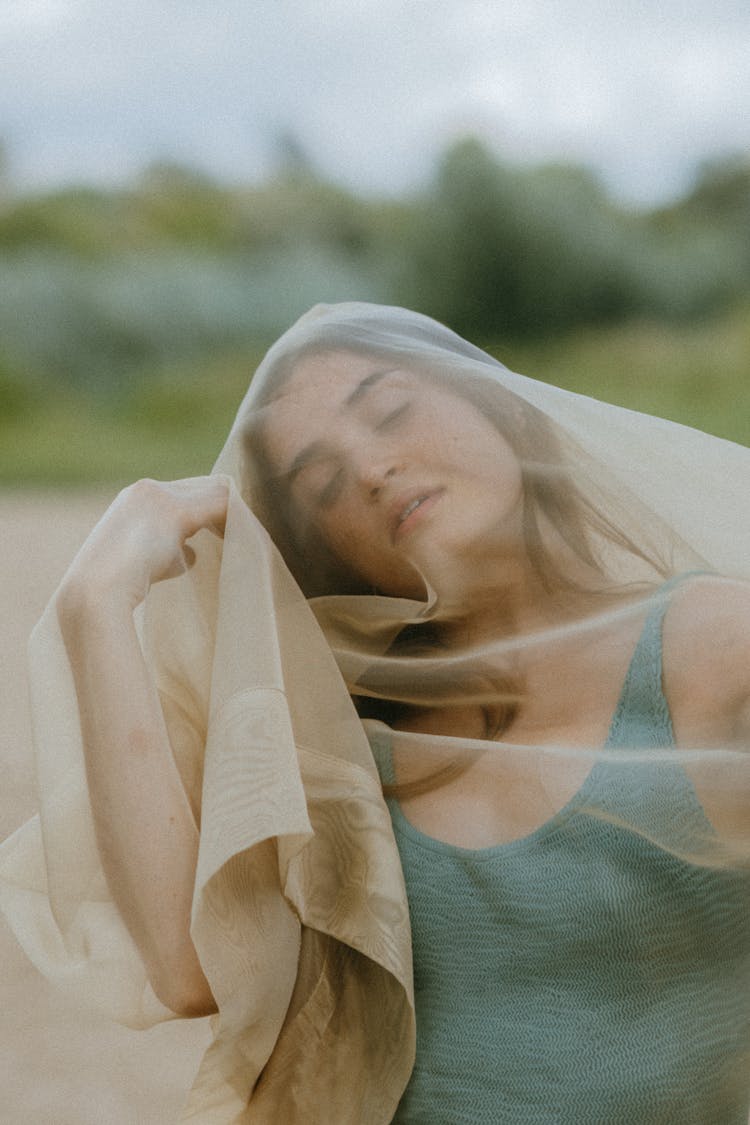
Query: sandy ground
[{"x": 57, "y": 1065}]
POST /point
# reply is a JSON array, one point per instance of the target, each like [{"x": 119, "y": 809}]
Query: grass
[
  {"x": 169, "y": 425},
  {"x": 695, "y": 374},
  {"x": 173, "y": 422}
]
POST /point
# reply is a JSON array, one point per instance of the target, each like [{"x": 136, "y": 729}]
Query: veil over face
[{"x": 433, "y": 559}]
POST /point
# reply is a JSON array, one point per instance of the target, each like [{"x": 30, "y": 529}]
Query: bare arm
[{"x": 145, "y": 829}]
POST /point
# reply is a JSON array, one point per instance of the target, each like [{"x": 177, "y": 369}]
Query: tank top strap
[{"x": 642, "y": 717}]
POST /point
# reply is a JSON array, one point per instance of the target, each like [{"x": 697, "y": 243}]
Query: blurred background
[{"x": 565, "y": 182}]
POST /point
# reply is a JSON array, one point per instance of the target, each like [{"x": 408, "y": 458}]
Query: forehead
[
  {"x": 337, "y": 373},
  {"x": 327, "y": 384},
  {"x": 324, "y": 391}
]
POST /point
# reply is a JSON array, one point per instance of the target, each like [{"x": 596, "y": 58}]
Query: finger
[{"x": 204, "y": 501}]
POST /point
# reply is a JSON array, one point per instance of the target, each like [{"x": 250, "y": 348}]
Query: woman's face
[{"x": 404, "y": 480}]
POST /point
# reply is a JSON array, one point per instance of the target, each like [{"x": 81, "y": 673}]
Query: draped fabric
[{"x": 281, "y": 646}]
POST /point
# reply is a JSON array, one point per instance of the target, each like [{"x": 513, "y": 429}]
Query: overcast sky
[{"x": 640, "y": 90}]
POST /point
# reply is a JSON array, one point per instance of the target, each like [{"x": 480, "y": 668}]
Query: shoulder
[
  {"x": 707, "y": 653},
  {"x": 711, "y": 616}
]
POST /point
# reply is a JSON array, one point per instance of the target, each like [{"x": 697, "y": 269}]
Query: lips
[{"x": 402, "y": 510}]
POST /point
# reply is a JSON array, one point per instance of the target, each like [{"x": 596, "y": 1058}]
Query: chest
[{"x": 516, "y": 782}]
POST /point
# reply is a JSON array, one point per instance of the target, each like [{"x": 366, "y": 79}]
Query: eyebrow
[
  {"x": 365, "y": 384},
  {"x": 317, "y": 448},
  {"x": 309, "y": 453}
]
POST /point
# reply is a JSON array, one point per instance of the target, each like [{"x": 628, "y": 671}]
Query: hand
[{"x": 141, "y": 539}]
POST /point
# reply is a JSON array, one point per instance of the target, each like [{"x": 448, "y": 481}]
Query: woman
[{"x": 518, "y": 589}]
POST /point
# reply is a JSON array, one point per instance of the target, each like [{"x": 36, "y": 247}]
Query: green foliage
[
  {"x": 533, "y": 252},
  {"x": 169, "y": 426},
  {"x": 722, "y": 193},
  {"x": 140, "y": 309},
  {"x": 82, "y": 221},
  {"x": 100, "y": 324},
  {"x": 694, "y": 374},
  {"x": 18, "y": 395}
]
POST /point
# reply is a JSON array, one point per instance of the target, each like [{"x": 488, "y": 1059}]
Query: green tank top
[{"x": 575, "y": 976}]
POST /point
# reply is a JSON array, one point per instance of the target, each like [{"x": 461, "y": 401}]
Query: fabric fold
[{"x": 295, "y": 836}]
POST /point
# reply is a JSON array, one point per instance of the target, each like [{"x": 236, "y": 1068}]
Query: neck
[{"x": 499, "y": 595}]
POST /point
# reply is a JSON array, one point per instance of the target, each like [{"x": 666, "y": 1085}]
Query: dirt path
[{"x": 57, "y": 1065}]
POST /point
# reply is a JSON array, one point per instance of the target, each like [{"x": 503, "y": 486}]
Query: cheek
[
  {"x": 339, "y": 528},
  {"x": 350, "y": 536},
  {"x": 502, "y": 464},
  {"x": 362, "y": 550}
]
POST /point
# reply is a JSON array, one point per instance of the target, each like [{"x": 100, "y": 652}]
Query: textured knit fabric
[{"x": 536, "y": 999}]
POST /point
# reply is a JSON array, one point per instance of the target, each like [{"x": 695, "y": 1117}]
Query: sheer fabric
[{"x": 281, "y": 647}]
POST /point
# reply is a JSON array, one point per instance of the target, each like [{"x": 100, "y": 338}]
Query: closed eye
[
  {"x": 332, "y": 490},
  {"x": 316, "y": 479}
]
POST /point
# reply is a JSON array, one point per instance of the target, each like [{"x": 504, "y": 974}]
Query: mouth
[{"x": 406, "y": 513}]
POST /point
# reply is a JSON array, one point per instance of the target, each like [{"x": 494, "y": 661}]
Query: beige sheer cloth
[{"x": 300, "y": 915}]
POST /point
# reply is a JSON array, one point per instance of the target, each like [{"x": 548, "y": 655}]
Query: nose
[{"x": 373, "y": 471}]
